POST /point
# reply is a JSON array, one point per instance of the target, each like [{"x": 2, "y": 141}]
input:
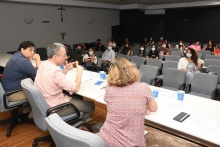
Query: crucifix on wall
[{"x": 61, "y": 9}]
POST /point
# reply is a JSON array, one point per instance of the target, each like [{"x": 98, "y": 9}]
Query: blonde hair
[{"x": 122, "y": 73}]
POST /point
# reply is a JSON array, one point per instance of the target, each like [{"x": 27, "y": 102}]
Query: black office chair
[{"x": 42, "y": 52}]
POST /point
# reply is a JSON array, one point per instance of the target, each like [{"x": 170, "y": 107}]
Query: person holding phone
[
  {"x": 52, "y": 81},
  {"x": 90, "y": 59},
  {"x": 190, "y": 63}
]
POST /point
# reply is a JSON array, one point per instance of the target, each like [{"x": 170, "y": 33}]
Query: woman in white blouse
[{"x": 190, "y": 63}]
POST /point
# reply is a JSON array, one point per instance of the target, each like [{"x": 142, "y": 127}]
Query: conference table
[{"x": 202, "y": 126}]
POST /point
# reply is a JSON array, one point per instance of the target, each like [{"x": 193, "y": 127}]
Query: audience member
[
  {"x": 146, "y": 43},
  {"x": 210, "y": 47},
  {"x": 115, "y": 48},
  {"x": 77, "y": 55},
  {"x": 126, "y": 50},
  {"x": 151, "y": 42},
  {"x": 142, "y": 51},
  {"x": 153, "y": 53},
  {"x": 90, "y": 59},
  {"x": 99, "y": 46},
  {"x": 107, "y": 57},
  {"x": 196, "y": 46},
  {"x": 191, "y": 63},
  {"x": 167, "y": 44},
  {"x": 160, "y": 42},
  {"x": 128, "y": 101},
  {"x": 19, "y": 67},
  {"x": 181, "y": 46},
  {"x": 52, "y": 81},
  {"x": 163, "y": 51}
]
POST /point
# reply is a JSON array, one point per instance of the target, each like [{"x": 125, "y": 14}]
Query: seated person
[
  {"x": 181, "y": 46},
  {"x": 153, "y": 53},
  {"x": 128, "y": 101},
  {"x": 115, "y": 48},
  {"x": 52, "y": 81},
  {"x": 19, "y": 67},
  {"x": 90, "y": 59},
  {"x": 77, "y": 55},
  {"x": 126, "y": 50},
  {"x": 99, "y": 46},
  {"x": 160, "y": 42},
  {"x": 196, "y": 46},
  {"x": 210, "y": 47},
  {"x": 146, "y": 43},
  {"x": 107, "y": 57},
  {"x": 163, "y": 51},
  {"x": 190, "y": 63},
  {"x": 217, "y": 50},
  {"x": 141, "y": 52}
]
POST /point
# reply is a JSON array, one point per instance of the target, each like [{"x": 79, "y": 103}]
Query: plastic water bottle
[
  {"x": 155, "y": 93},
  {"x": 62, "y": 67}
]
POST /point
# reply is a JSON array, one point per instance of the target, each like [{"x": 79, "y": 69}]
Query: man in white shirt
[{"x": 107, "y": 57}]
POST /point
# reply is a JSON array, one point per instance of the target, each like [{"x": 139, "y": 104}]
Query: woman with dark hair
[
  {"x": 126, "y": 50},
  {"x": 142, "y": 51},
  {"x": 153, "y": 52},
  {"x": 191, "y": 63},
  {"x": 210, "y": 46}
]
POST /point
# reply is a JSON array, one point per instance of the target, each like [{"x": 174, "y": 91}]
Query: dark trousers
[{"x": 105, "y": 66}]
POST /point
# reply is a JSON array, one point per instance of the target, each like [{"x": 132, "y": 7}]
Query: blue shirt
[{"x": 17, "y": 68}]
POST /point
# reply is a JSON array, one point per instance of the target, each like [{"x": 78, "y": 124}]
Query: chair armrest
[
  {"x": 214, "y": 94},
  {"x": 182, "y": 87},
  {"x": 159, "y": 81},
  {"x": 5, "y": 99},
  {"x": 55, "y": 108},
  {"x": 188, "y": 88},
  {"x": 153, "y": 80}
]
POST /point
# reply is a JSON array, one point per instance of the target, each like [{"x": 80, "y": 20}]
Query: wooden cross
[{"x": 61, "y": 9}]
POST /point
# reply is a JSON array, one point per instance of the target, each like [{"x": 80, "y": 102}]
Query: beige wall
[{"x": 14, "y": 30}]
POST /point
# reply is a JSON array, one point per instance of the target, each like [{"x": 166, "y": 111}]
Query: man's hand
[{"x": 36, "y": 57}]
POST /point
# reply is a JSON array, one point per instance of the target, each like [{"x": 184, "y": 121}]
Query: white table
[
  {"x": 203, "y": 123},
  {"x": 4, "y": 57}
]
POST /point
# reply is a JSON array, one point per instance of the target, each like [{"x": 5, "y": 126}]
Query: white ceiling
[{"x": 124, "y": 4}]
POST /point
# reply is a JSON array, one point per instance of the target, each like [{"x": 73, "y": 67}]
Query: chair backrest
[
  {"x": 178, "y": 53},
  {"x": 208, "y": 56},
  {"x": 174, "y": 49},
  {"x": 65, "y": 135},
  {"x": 137, "y": 60},
  {"x": 37, "y": 101},
  {"x": 2, "y": 91},
  {"x": 124, "y": 56},
  {"x": 204, "y": 83},
  {"x": 199, "y": 55},
  {"x": 42, "y": 52},
  {"x": 208, "y": 62},
  {"x": 169, "y": 64},
  {"x": 186, "y": 44},
  {"x": 174, "y": 78},
  {"x": 148, "y": 73},
  {"x": 154, "y": 62},
  {"x": 214, "y": 69},
  {"x": 99, "y": 62},
  {"x": 172, "y": 58},
  {"x": 204, "y": 53},
  {"x": 98, "y": 54}
]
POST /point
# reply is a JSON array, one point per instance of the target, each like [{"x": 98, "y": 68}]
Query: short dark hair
[
  {"x": 25, "y": 45},
  {"x": 98, "y": 40}
]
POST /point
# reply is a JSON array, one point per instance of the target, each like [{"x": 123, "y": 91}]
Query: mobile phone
[
  {"x": 181, "y": 116},
  {"x": 99, "y": 83}
]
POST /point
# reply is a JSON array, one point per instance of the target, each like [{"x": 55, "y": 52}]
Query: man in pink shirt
[
  {"x": 52, "y": 81},
  {"x": 196, "y": 46}
]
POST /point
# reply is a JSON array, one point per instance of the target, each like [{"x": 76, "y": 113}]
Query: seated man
[
  {"x": 107, "y": 57},
  {"x": 77, "y": 55},
  {"x": 19, "y": 67},
  {"x": 99, "y": 46},
  {"x": 52, "y": 81},
  {"x": 163, "y": 51}
]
